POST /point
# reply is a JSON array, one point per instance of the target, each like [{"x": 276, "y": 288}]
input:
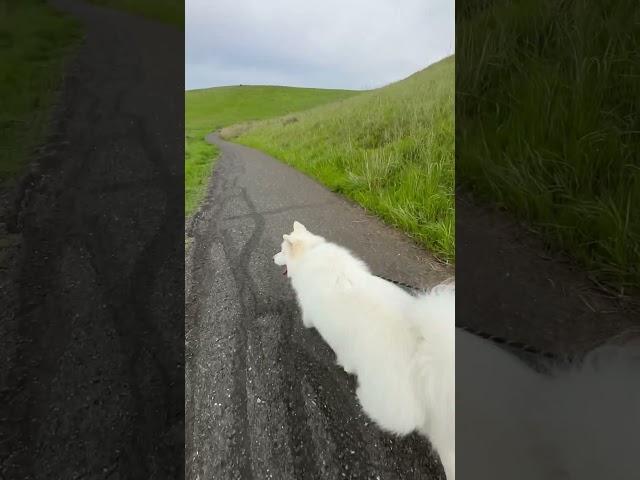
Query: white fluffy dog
[
  {"x": 400, "y": 347},
  {"x": 579, "y": 421}
]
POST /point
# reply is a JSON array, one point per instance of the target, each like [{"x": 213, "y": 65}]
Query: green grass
[
  {"x": 166, "y": 11},
  {"x": 548, "y": 123},
  {"x": 34, "y": 42},
  {"x": 211, "y": 109},
  {"x": 390, "y": 150}
]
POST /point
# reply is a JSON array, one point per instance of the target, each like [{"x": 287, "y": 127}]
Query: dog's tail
[{"x": 433, "y": 314}]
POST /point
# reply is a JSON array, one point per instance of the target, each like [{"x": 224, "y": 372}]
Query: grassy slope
[
  {"x": 167, "y": 11},
  {"x": 555, "y": 139},
  {"x": 391, "y": 150},
  {"x": 210, "y": 109},
  {"x": 34, "y": 41}
]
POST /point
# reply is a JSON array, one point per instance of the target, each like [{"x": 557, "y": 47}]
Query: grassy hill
[
  {"x": 547, "y": 120},
  {"x": 210, "y": 109},
  {"x": 391, "y": 150}
]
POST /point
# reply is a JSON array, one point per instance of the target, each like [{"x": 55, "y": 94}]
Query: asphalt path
[
  {"x": 91, "y": 324},
  {"x": 264, "y": 398}
]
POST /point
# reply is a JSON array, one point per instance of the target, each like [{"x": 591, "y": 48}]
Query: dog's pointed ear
[
  {"x": 298, "y": 227},
  {"x": 294, "y": 245}
]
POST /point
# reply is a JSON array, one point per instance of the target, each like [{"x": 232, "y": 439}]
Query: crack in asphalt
[
  {"x": 240, "y": 272},
  {"x": 282, "y": 210}
]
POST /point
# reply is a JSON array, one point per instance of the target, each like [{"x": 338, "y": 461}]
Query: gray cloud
[{"x": 314, "y": 43}]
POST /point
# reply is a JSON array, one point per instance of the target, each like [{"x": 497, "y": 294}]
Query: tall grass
[
  {"x": 547, "y": 123},
  {"x": 34, "y": 42},
  {"x": 391, "y": 150},
  {"x": 210, "y": 109}
]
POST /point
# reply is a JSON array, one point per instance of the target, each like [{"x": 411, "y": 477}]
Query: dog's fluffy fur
[
  {"x": 575, "y": 422},
  {"x": 400, "y": 347}
]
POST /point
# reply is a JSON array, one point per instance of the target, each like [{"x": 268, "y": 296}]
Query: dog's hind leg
[
  {"x": 448, "y": 461},
  {"x": 346, "y": 366},
  {"x": 390, "y": 414},
  {"x": 306, "y": 321}
]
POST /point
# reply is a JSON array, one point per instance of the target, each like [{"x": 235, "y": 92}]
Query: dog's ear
[
  {"x": 296, "y": 245},
  {"x": 298, "y": 227},
  {"x": 291, "y": 240}
]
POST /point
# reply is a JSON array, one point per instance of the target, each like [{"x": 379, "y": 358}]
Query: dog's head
[{"x": 294, "y": 246}]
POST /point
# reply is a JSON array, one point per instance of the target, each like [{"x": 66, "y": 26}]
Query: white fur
[
  {"x": 433, "y": 314},
  {"x": 400, "y": 347}
]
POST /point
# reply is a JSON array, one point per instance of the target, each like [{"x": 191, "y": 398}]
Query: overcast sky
[{"x": 354, "y": 44}]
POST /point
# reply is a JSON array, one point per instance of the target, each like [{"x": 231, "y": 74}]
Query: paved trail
[
  {"x": 264, "y": 397},
  {"x": 92, "y": 306}
]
